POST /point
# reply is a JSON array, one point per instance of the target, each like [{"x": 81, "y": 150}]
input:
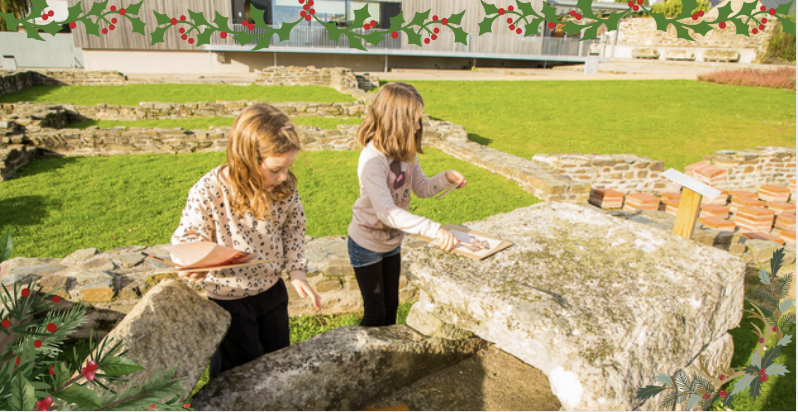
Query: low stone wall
[
  {"x": 741, "y": 170},
  {"x": 343, "y": 80},
  {"x": 13, "y": 157},
  {"x": 14, "y": 81}
]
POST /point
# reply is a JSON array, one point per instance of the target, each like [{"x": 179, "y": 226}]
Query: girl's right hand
[
  {"x": 192, "y": 276},
  {"x": 446, "y": 239}
]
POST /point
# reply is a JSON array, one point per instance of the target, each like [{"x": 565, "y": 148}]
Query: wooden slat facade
[{"x": 500, "y": 41}]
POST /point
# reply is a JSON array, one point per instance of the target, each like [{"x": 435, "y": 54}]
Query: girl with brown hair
[
  {"x": 388, "y": 170},
  {"x": 251, "y": 203}
]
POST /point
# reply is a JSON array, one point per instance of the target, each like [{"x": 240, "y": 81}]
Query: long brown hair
[
  {"x": 260, "y": 131},
  {"x": 391, "y": 121}
]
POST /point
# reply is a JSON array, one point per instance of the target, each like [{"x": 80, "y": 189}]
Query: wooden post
[{"x": 686, "y": 217}]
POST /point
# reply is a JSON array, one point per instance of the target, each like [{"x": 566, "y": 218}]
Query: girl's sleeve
[
  {"x": 424, "y": 187},
  {"x": 196, "y": 222},
  {"x": 293, "y": 235},
  {"x": 374, "y": 178}
]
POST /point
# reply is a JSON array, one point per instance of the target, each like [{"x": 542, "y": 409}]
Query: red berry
[
  {"x": 761, "y": 340},
  {"x": 551, "y": 24},
  {"x": 573, "y": 13},
  {"x": 721, "y": 377},
  {"x": 722, "y": 25},
  {"x": 45, "y": 17},
  {"x": 512, "y": 27},
  {"x": 510, "y": 8},
  {"x": 122, "y": 11},
  {"x": 518, "y": 31},
  {"x": 184, "y": 37},
  {"x": 635, "y": 7},
  {"x": 187, "y": 405},
  {"x": 445, "y": 21},
  {"x": 39, "y": 404},
  {"x": 775, "y": 329},
  {"x": 113, "y": 8},
  {"x": 722, "y": 394},
  {"x": 631, "y": 3},
  {"x": 252, "y": 26},
  {"x": 51, "y": 13},
  {"x": 306, "y": 7},
  {"x": 182, "y": 18},
  {"x": 190, "y": 41},
  {"x": 694, "y": 16},
  {"x": 763, "y": 378},
  {"x": 37, "y": 343},
  {"x": 114, "y": 20},
  {"x": 307, "y": 17},
  {"x": 763, "y": 8},
  {"x": 509, "y": 20},
  {"x": 579, "y": 17},
  {"x": 772, "y": 11},
  {"x": 426, "y": 41},
  {"x": 640, "y": 2},
  {"x": 311, "y": 2},
  {"x": 112, "y": 27},
  {"x": 435, "y": 18},
  {"x": 700, "y": 13},
  {"x": 312, "y": 11},
  {"x": 72, "y": 26},
  {"x": 152, "y": 406},
  {"x": 6, "y": 323},
  {"x": 89, "y": 375},
  {"x": 373, "y": 23},
  {"x": 436, "y": 30},
  {"x": 48, "y": 400},
  {"x": 18, "y": 359},
  {"x": 395, "y": 35},
  {"x": 707, "y": 395},
  {"x": 366, "y": 26},
  {"x": 52, "y": 372},
  {"x": 761, "y": 27},
  {"x": 51, "y": 327},
  {"x": 173, "y": 21},
  {"x": 182, "y": 30},
  {"x": 755, "y": 31},
  {"x": 25, "y": 293},
  {"x": 302, "y": 13},
  {"x": 301, "y": 1},
  {"x": 434, "y": 37},
  {"x": 223, "y": 35},
  {"x": 501, "y": 12},
  {"x": 764, "y": 21}
]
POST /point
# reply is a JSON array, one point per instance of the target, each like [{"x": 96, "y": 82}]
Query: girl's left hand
[
  {"x": 303, "y": 289},
  {"x": 453, "y": 176}
]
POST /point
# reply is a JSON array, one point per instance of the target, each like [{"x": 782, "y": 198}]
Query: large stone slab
[
  {"x": 172, "y": 325},
  {"x": 599, "y": 304},
  {"x": 343, "y": 369}
]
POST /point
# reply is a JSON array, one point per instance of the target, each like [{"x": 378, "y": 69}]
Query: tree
[
  {"x": 19, "y": 7},
  {"x": 673, "y": 8}
]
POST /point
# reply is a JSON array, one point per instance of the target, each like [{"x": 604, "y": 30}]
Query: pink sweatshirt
[
  {"x": 209, "y": 218},
  {"x": 380, "y": 217}
]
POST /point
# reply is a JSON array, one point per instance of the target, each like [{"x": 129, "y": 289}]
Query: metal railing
[{"x": 319, "y": 38}]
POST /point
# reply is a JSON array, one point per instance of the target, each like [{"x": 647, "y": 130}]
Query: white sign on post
[{"x": 708, "y": 192}]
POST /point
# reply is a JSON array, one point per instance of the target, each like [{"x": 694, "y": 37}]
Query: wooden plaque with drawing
[
  {"x": 207, "y": 256},
  {"x": 473, "y": 244}
]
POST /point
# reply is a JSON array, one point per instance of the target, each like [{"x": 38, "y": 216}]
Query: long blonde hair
[
  {"x": 391, "y": 120},
  {"x": 260, "y": 131}
]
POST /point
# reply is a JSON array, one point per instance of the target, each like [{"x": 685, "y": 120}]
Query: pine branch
[{"x": 140, "y": 396}]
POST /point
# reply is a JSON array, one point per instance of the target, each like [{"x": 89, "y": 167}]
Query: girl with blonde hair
[
  {"x": 388, "y": 170},
  {"x": 251, "y": 203}
]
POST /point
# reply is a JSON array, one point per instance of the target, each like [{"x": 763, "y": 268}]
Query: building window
[
  {"x": 341, "y": 12},
  {"x": 241, "y": 9}
]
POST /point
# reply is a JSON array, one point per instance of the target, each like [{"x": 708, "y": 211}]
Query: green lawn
[
  {"x": 676, "y": 121},
  {"x": 204, "y": 123},
  {"x": 55, "y": 206},
  {"x": 131, "y": 95}
]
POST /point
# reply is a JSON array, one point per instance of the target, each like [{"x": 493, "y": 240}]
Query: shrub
[
  {"x": 673, "y": 8},
  {"x": 781, "y": 45},
  {"x": 781, "y": 78}
]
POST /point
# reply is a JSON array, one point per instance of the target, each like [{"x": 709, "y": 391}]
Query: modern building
[{"x": 309, "y": 43}]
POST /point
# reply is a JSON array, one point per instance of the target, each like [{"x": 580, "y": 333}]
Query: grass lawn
[
  {"x": 676, "y": 121},
  {"x": 55, "y": 206},
  {"x": 131, "y": 95},
  {"x": 204, "y": 123}
]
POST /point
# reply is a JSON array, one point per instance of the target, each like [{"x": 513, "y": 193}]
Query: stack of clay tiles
[
  {"x": 606, "y": 199},
  {"x": 640, "y": 201},
  {"x": 743, "y": 198},
  {"x": 714, "y": 210},
  {"x": 792, "y": 188},
  {"x": 670, "y": 202},
  {"x": 754, "y": 219},
  {"x": 721, "y": 200},
  {"x": 770, "y": 193},
  {"x": 706, "y": 173}
]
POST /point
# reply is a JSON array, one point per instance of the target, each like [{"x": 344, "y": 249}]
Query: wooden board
[
  {"x": 503, "y": 244},
  {"x": 208, "y": 269}
]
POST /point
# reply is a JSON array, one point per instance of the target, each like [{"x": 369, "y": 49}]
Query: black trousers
[
  {"x": 259, "y": 326},
  {"x": 379, "y": 286}
]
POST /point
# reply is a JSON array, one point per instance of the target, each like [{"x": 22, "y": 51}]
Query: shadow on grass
[
  {"x": 82, "y": 124},
  {"x": 44, "y": 164},
  {"x": 31, "y": 94},
  {"x": 22, "y": 211},
  {"x": 479, "y": 139}
]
